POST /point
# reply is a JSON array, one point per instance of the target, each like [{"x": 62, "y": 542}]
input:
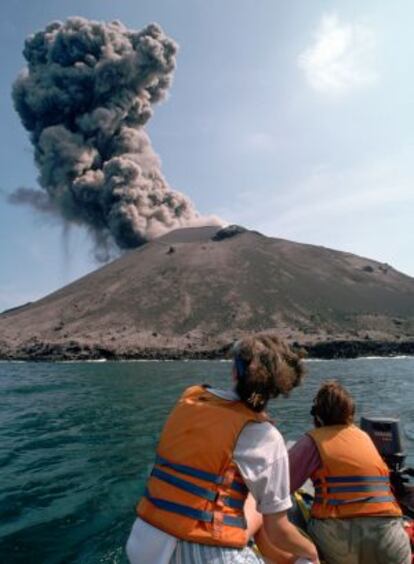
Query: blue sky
[{"x": 294, "y": 119}]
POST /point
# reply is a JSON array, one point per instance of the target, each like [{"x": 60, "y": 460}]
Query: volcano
[{"x": 191, "y": 292}]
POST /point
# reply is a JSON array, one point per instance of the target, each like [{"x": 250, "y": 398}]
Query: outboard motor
[{"x": 385, "y": 433}]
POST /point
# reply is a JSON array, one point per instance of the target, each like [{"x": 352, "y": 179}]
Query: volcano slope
[{"x": 193, "y": 291}]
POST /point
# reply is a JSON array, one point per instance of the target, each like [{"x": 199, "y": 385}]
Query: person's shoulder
[
  {"x": 262, "y": 432},
  {"x": 363, "y": 434},
  {"x": 192, "y": 390},
  {"x": 307, "y": 437},
  {"x": 304, "y": 443},
  {"x": 229, "y": 395},
  {"x": 260, "y": 444}
]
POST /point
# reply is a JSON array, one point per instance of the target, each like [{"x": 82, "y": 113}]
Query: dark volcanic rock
[
  {"x": 354, "y": 349},
  {"x": 227, "y": 232},
  {"x": 190, "y": 293}
]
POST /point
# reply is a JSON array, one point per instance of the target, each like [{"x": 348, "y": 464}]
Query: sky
[{"x": 294, "y": 119}]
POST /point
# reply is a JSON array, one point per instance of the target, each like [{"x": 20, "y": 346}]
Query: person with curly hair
[{"x": 218, "y": 457}]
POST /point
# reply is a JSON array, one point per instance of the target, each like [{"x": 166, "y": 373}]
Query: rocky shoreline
[{"x": 38, "y": 351}]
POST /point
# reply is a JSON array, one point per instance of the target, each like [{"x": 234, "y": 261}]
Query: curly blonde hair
[{"x": 266, "y": 367}]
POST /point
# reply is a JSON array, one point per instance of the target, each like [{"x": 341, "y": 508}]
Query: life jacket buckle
[
  {"x": 220, "y": 499},
  {"x": 218, "y": 523},
  {"x": 228, "y": 477}
]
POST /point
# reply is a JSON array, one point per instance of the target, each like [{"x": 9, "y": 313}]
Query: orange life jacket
[
  {"x": 353, "y": 480},
  {"x": 195, "y": 491}
]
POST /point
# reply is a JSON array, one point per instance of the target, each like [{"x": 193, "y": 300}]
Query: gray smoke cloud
[
  {"x": 85, "y": 96},
  {"x": 38, "y": 200}
]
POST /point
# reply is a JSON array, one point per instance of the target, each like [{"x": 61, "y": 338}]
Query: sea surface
[{"x": 77, "y": 441}]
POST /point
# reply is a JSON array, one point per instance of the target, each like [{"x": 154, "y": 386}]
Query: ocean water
[{"x": 77, "y": 441}]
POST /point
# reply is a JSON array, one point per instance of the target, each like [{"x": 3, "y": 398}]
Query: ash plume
[
  {"x": 85, "y": 96},
  {"x": 34, "y": 198}
]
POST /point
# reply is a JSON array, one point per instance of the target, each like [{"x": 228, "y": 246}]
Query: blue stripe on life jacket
[
  {"x": 194, "y": 489},
  {"x": 353, "y": 489},
  {"x": 201, "y": 474},
  {"x": 187, "y": 511},
  {"x": 370, "y": 499},
  {"x": 239, "y": 487},
  {"x": 234, "y": 503},
  {"x": 352, "y": 479},
  {"x": 189, "y": 470}
]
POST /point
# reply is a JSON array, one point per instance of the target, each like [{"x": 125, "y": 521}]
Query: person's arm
[
  {"x": 280, "y": 541},
  {"x": 304, "y": 460},
  {"x": 262, "y": 458},
  {"x": 297, "y": 545}
]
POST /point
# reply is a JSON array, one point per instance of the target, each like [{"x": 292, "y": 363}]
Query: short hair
[
  {"x": 266, "y": 367},
  {"x": 333, "y": 404}
]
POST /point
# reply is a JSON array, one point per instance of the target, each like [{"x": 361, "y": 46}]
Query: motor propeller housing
[{"x": 386, "y": 434}]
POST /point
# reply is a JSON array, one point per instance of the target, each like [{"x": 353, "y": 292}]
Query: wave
[{"x": 396, "y": 357}]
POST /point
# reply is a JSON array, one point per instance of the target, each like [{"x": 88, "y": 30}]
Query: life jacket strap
[
  {"x": 197, "y": 514},
  {"x": 352, "y": 479},
  {"x": 201, "y": 474},
  {"x": 352, "y": 485},
  {"x": 352, "y": 489},
  {"x": 371, "y": 499},
  {"x": 196, "y": 490}
]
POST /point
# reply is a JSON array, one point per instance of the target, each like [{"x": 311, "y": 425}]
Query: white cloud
[
  {"x": 341, "y": 57},
  {"x": 260, "y": 141},
  {"x": 366, "y": 209},
  {"x": 329, "y": 194}
]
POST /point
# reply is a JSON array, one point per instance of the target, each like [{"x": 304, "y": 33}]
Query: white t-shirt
[{"x": 261, "y": 456}]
